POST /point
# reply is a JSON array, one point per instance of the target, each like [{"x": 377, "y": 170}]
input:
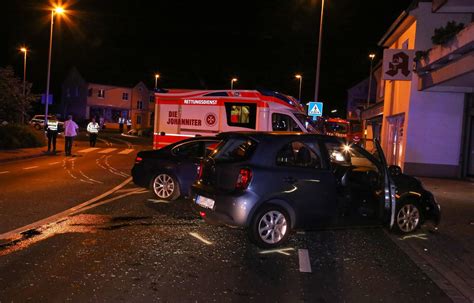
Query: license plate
[{"x": 205, "y": 202}]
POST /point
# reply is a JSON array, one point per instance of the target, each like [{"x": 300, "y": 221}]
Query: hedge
[{"x": 20, "y": 136}]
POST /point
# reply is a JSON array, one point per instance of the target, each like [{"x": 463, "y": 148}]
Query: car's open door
[{"x": 389, "y": 187}]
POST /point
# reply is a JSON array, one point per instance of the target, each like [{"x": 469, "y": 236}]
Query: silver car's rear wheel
[
  {"x": 408, "y": 218},
  {"x": 270, "y": 227},
  {"x": 165, "y": 187}
]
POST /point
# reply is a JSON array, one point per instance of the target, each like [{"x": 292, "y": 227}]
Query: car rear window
[{"x": 235, "y": 149}]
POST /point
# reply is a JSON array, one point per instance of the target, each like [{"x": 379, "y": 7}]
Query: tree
[{"x": 13, "y": 105}]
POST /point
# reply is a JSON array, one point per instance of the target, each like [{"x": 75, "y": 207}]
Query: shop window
[{"x": 241, "y": 114}]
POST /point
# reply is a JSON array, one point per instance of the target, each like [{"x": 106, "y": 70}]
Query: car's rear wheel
[
  {"x": 270, "y": 227},
  {"x": 407, "y": 218},
  {"x": 165, "y": 187}
]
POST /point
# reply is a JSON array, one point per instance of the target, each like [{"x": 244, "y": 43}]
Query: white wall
[
  {"x": 434, "y": 130},
  {"x": 434, "y": 125}
]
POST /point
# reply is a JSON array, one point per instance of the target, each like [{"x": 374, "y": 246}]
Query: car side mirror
[{"x": 394, "y": 170}]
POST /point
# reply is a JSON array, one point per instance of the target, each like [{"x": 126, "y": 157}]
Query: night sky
[{"x": 201, "y": 44}]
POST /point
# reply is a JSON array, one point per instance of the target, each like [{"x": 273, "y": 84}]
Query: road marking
[
  {"x": 89, "y": 178},
  {"x": 105, "y": 141},
  {"x": 158, "y": 201},
  {"x": 417, "y": 236},
  {"x": 11, "y": 235},
  {"x": 283, "y": 251},
  {"x": 52, "y": 163},
  {"x": 303, "y": 257},
  {"x": 31, "y": 167},
  {"x": 88, "y": 150},
  {"x": 197, "y": 236},
  {"x": 107, "y": 150},
  {"x": 4, "y": 172},
  {"x": 126, "y": 151}
]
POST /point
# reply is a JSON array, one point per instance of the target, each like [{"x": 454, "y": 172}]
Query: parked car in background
[
  {"x": 38, "y": 121},
  {"x": 171, "y": 170},
  {"x": 272, "y": 183}
]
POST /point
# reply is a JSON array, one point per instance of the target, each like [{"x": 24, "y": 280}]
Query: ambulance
[{"x": 187, "y": 113}]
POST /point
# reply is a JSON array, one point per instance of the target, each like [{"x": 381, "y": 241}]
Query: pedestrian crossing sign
[{"x": 315, "y": 109}]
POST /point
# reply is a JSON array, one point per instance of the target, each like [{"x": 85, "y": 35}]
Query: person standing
[
  {"x": 93, "y": 130},
  {"x": 121, "y": 121},
  {"x": 129, "y": 124},
  {"x": 52, "y": 129},
  {"x": 70, "y": 131}
]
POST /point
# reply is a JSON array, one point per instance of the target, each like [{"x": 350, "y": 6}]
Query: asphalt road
[{"x": 128, "y": 246}]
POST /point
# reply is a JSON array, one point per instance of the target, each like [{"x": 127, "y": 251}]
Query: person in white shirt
[
  {"x": 93, "y": 130},
  {"x": 70, "y": 131}
]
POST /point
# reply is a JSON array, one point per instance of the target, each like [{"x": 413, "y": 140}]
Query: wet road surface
[{"x": 135, "y": 248}]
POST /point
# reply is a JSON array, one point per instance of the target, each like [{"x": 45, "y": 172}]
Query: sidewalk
[
  {"x": 447, "y": 255},
  {"x": 28, "y": 153}
]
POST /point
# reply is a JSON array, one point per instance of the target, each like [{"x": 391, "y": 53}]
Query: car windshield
[
  {"x": 235, "y": 149},
  {"x": 336, "y": 127},
  {"x": 306, "y": 121}
]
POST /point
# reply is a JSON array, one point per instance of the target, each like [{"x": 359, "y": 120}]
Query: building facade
[
  {"x": 85, "y": 100},
  {"x": 427, "y": 125}
]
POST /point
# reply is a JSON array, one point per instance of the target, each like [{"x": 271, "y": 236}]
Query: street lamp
[
  {"x": 298, "y": 76},
  {"x": 316, "y": 89},
  {"x": 156, "y": 80},
  {"x": 232, "y": 83},
  {"x": 24, "y": 50},
  {"x": 371, "y": 56},
  {"x": 59, "y": 11}
]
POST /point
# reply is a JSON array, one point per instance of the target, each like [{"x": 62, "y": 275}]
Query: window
[
  {"x": 138, "y": 119},
  {"x": 281, "y": 122},
  {"x": 217, "y": 94},
  {"x": 89, "y": 92},
  {"x": 236, "y": 149},
  {"x": 298, "y": 154},
  {"x": 190, "y": 149},
  {"x": 101, "y": 93},
  {"x": 68, "y": 93},
  {"x": 152, "y": 98},
  {"x": 241, "y": 114},
  {"x": 350, "y": 156},
  {"x": 124, "y": 96},
  {"x": 139, "y": 104}
]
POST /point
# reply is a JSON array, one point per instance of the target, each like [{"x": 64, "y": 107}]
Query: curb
[{"x": 6, "y": 160}]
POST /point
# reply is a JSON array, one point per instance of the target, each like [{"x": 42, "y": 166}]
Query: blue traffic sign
[
  {"x": 50, "y": 99},
  {"x": 315, "y": 109}
]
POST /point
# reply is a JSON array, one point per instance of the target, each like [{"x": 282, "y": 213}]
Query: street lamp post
[
  {"x": 371, "y": 56},
  {"x": 318, "y": 64},
  {"x": 57, "y": 10},
  {"x": 24, "y": 50},
  {"x": 232, "y": 83},
  {"x": 156, "y": 80},
  {"x": 301, "y": 80}
]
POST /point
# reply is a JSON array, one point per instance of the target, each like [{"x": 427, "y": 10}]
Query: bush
[
  {"x": 443, "y": 35},
  {"x": 20, "y": 136}
]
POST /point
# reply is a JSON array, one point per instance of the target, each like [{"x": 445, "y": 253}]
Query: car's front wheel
[
  {"x": 408, "y": 217},
  {"x": 270, "y": 227},
  {"x": 165, "y": 187}
]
